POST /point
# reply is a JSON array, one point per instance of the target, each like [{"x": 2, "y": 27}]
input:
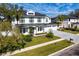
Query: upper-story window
[
  {"x": 22, "y": 20},
  {"x": 31, "y": 20},
  {"x": 46, "y": 20},
  {"x": 39, "y": 20}
]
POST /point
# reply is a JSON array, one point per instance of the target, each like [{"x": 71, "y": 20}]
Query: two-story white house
[
  {"x": 70, "y": 21},
  {"x": 39, "y": 22}
]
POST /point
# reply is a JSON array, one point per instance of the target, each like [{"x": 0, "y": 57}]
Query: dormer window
[{"x": 31, "y": 13}]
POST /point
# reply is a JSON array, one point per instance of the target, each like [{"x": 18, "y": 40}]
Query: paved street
[{"x": 67, "y": 36}]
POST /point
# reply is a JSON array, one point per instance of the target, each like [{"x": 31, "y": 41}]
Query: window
[
  {"x": 30, "y": 13},
  {"x": 39, "y": 19},
  {"x": 22, "y": 20},
  {"x": 23, "y": 30},
  {"x": 40, "y": 28},
  {"x": 46, "y": 20},
  {"x": 31, "y": 20}
]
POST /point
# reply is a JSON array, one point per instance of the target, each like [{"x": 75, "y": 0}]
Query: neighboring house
[
  {"x": 76, "y": 24},
  {"x": 39, "y": 22},
  {"x": 71, "y": 21},
  {"x": 53, "y": 20}
]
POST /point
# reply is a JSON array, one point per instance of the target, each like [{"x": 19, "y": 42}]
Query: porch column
[
  {"x": 36, "y": 29},
  {"x": 43, "y": 28}
]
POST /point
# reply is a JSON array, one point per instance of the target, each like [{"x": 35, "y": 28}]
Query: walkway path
[
  {"x": 65, "y": 35},
  {"x": 31, "y": 47}
]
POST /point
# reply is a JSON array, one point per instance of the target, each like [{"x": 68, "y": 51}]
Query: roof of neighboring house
[
  {"x": 73, "y": 17},
  {"x": 53, "y": 19},
  {"x": 76, "y": 23}
]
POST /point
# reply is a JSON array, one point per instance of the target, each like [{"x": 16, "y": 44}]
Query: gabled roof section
[{"x": 73, "y": 17}]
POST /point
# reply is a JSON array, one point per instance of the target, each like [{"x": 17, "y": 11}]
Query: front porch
[{"x": 33, "y": 29}]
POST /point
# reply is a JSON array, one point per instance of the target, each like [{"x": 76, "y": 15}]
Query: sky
[{"x": 51, "y": 9}]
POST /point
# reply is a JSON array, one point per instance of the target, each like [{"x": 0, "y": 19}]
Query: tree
[
  {"x": 18, "y": 12},
  {"x": 5, "y": 26},
  {"x": 60, "y": 18},
  {"x": 10, "y": 43},
  {"x": 5, "y": 10},
  {"x": 10, "y": 11}
]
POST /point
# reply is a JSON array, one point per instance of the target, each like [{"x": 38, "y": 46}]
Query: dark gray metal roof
[{"x": 36, "y": 15}]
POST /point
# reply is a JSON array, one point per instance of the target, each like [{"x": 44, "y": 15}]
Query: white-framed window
[
  {"x": 40, "y": 28},
  {"x": 30, "y": 13},
  {"x": 31, "y": 20},
  {"x": 39, "y": 20},
  {"x": 22, "y": 20},
  {"x": 46, "y": 20}
]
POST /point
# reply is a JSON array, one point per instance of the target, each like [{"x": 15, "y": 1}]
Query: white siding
[{"x": 43, "y": 20}]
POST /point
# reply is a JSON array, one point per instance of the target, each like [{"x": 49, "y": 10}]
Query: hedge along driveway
[{"x": 46, "y": 50}]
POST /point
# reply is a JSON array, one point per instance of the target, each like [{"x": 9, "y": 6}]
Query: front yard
[
  {"x": 39, "y": 40},
  {"x": 46, "y": 50}
]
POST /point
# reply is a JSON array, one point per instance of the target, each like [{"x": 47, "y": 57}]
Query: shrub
[
  {"x": 27, "y": 38},
  {"x": 50, "y": 35}
]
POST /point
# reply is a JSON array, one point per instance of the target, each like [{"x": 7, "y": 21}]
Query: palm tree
[
  {"x": 11, "y": 10},
  {"x": 5, "y": 10},
  {"x": 60, "y": 18},
  {"x": 18, "y": 12}
]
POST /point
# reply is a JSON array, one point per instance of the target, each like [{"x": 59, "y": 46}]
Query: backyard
[{"x": 46, "y": 50}]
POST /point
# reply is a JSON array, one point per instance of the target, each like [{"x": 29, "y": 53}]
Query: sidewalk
[{"x": 31, "y": 47}]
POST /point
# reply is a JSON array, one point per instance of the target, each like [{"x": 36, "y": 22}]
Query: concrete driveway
[{"x": 65, "y": 35}]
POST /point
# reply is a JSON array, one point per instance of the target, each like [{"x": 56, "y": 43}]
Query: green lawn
[
  {"x": 70, "y": 31},
  {"x": 46, "y": 50},
  {"x": 39, "y": 40}
]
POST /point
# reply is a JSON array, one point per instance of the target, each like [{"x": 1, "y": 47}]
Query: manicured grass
[
  {"x": 39, "y": 40},
  {"x": 46, "y": 50},
  {"x": 70, "y": 31}
]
